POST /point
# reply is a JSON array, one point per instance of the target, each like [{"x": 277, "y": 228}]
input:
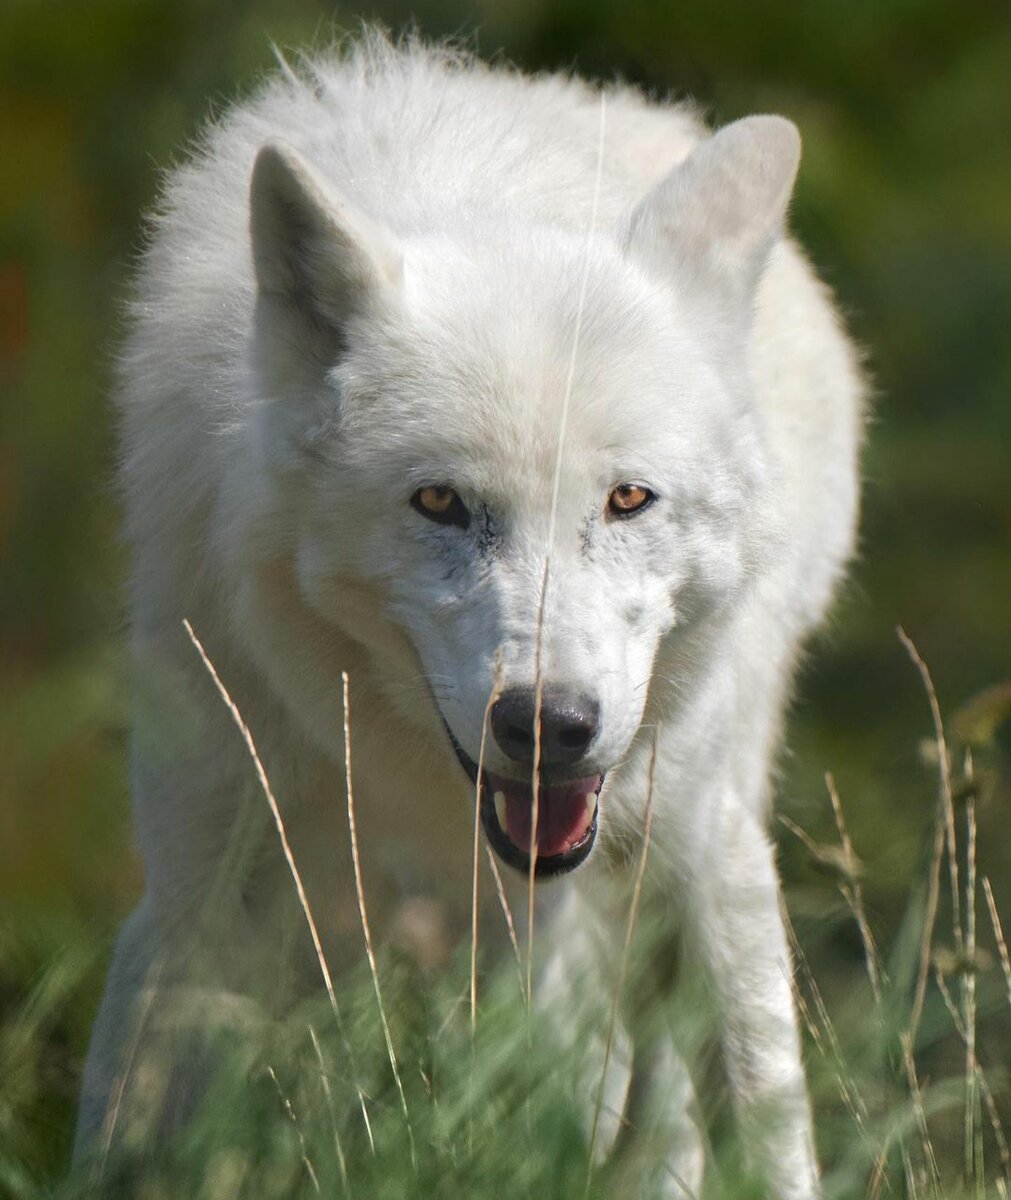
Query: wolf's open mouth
[{"x": 566, "y": 818}]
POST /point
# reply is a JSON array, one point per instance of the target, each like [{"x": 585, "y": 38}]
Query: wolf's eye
[
  {"x": 441, "y": 504},
  {"x": 627, "y": 499}
]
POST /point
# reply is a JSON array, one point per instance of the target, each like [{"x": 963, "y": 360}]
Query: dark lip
[{"x": 545, "y": 866}]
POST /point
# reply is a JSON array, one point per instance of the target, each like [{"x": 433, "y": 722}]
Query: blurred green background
[{"x": 904, "y": 203}]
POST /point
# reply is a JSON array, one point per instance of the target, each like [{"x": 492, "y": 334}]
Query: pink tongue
[{"x": 563, "y": 815}]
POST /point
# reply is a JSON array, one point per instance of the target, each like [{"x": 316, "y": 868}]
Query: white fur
[{"x": 401, "y": 314}]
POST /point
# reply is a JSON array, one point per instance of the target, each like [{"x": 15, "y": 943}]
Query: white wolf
[{"x": 409, "y": 328}]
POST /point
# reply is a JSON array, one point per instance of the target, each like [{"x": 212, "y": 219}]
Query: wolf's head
[{"x": 518, "y": 456}]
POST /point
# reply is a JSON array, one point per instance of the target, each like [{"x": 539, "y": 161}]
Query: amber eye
[
  {"x": 441, "y": 504},
  {"x": 627, "y": 499}
]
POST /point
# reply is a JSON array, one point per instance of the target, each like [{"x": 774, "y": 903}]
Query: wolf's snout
[{"x": 569, "y": 725}]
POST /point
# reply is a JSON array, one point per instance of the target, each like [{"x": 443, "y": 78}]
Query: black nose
[{"x": 568, "y": 725}]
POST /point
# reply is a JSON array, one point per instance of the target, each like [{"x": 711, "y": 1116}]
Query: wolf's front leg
[
  {"x": 738, "y": 928},
  {"x": 153, "y": 1047},
  {"x": 638, "y": 1096}
]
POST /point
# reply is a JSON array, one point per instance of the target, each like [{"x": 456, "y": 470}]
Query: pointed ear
[
  {"x": 713, "y": 220},
  {"x": 310, "y": 247}
]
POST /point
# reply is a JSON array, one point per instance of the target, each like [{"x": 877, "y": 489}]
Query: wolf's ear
[
  {"x": 713, "y": 220},
  {"x": 310, "y": 247}
]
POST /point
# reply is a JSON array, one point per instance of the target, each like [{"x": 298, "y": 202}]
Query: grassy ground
[{"x": 904, "y": 1040}]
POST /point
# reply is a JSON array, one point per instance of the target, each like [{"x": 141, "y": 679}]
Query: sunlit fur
[{"x": 403, "y": 316}]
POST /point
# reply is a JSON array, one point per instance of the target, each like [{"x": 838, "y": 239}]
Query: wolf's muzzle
[{"x": 566, "y": 817}]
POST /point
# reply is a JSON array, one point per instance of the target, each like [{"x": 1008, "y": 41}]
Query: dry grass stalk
[
  {"x": 965, "y": 1021},
  {"x": 563, "y": 424},
  {"x": 879, "y": 1175},
  {"x": 475, "y": 876},
  {"x": 974, "y": 1166},
  {"x": 919, "y": 1112},
  {"x": 944, "y": 830},
  {"x": 112, "y": 1112},
  {"x": 507, "y": 912},
  {"x": 303, "y": 899},
  {"x": 448, "y": 1020},
  {"x": 912, "y": 1187},
  {"x": 536, "y": 783},
  {"x": 998, "y": 933},
  {"x": 633, "y": 911},
  {"x": 363, "y": 913},
  {"x": 827, "y": 1039},
  {"x": 496, "y": 691},
  {"x": 828, "y": 1047},
  {"x": 996, "y": 1125},
  {"x": 853, "y": 894},
  {"x": 929, "y": 921},
  {"x": 801, "y": 834},
  {"x": 290, "y": 1113},
  {"x": 983, "y": 1087},
  {"x": 949, "y": 1003},
  {"x": 328, "y": 1095}
]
